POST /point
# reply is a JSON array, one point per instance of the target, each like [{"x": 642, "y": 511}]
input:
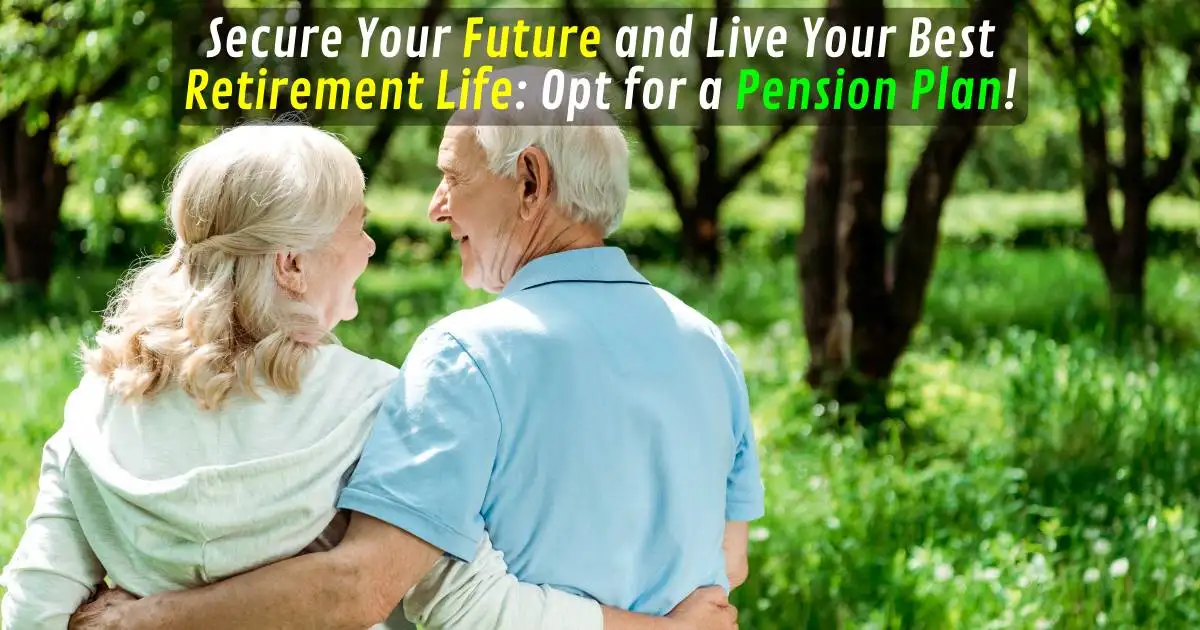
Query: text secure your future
[{"x": 545, "y": 42}]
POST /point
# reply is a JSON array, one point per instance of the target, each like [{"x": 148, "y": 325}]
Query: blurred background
[{"x": 971, "y": 349}]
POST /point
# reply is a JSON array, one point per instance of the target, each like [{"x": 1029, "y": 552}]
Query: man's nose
[{"x": 439, "y": 209}]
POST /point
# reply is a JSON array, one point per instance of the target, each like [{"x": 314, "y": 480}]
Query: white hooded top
[{"x": 162, "y": 496}]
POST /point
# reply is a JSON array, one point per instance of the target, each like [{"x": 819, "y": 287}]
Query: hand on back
[{"x": 706, "y": 608}]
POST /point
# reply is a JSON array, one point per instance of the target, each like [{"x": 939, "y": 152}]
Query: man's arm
[
  {"x": 482, "y": 593},
  {"x": 707, "y": 608},
  {"x": 736, "y": 546},
  {"x": 744, "y": 492},
  {"x": 353, "y": 586}
]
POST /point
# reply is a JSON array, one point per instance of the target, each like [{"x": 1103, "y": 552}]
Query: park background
[{"x": 971, "y": 349}]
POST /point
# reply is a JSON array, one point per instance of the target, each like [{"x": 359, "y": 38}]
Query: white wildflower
[
  {"x": 943, "y": 572},
  {"x": 1119, "y": 568}
]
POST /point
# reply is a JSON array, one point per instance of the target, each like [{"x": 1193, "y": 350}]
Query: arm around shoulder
[
  {"x": 459, "y": 595},
  {"x": 353, "y": 586}
]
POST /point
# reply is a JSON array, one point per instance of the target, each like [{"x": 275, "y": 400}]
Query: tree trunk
[
  {"x": 1128, "y": 289},
  {"x": 860, "y": 308},
  {"x": 842, "y": 249},
  {"x": 701, "y": 239},
  {"x": 817, "y": 255},
  {"x": 32, "y": 184},
  {"x": 1123, "y": 254}
]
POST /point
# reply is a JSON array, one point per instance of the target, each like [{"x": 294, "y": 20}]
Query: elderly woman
[{"x": 218, "y": 419}]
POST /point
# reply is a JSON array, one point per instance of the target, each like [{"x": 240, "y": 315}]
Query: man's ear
[
  {"x": 535, "y": 178},
  {"x": 289, "y": 274}
]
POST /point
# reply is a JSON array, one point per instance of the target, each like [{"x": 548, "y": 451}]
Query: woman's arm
[
  {"x": 459, "y": 595},
  {"x": 53, "y": 570}
]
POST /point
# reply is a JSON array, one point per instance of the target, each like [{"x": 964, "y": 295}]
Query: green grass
[{"x": 1053, "y": 484}]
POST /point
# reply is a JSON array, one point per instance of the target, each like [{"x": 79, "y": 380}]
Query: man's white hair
[{"x": 588, "y": 155}]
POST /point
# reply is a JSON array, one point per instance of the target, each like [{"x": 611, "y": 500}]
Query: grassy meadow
[{"x": 1049, "y": 481}]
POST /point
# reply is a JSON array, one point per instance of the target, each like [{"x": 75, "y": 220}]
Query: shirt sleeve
[
  {"x": 53, "y": 570},
  {"x": 428, "y": 459},
  {"x": 744, "y": 488},
  {"x": 482, "y": 593}
]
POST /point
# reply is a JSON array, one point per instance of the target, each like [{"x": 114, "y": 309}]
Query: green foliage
[{"x": 1049, "y": 481}]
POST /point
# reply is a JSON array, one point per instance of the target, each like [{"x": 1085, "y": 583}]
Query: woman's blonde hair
[{"x": 210, "y": 315}]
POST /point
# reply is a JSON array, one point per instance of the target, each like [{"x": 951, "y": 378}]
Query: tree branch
[
  {"x": 747, "y": 166},
  {"x": 933, "y": 178},
  {"x": 1166, "y": 170},
  {"x": 116, "y": 81},
  {"x": 1093, "y": 141},
  {"x": 381, "y": 136},
  {"x": 1059, "y": 55},
  {"x": 1043, "y": 31},
  {"x": 642, "y": 121},
  {"x": 10, "y": 126},
  {"x": 708, "y": 154}
]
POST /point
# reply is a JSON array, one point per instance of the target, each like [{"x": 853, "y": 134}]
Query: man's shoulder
[
  {"x": 497, "y": 319},
  {"x": 472, "y": 333},
  {"x": 688, "y": 316}
]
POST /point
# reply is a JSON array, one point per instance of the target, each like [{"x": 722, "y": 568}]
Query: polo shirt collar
[{"x": 602, "y": 265}]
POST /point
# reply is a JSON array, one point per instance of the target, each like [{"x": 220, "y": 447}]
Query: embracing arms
[
  {"x": 358, "y": 583},
  {"x": 417, "y": 492},
  {"x": 353, "y": 586}
]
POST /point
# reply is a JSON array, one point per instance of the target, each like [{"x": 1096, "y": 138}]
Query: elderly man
[{"x": 595, "y": 426}]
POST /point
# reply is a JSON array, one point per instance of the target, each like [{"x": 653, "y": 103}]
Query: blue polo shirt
[{"x": 595, "y": 426}]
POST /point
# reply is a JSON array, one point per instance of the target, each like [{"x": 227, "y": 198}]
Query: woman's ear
[
  {"x": 289, "y": 275},
  {"x": 535, "y": 178}
]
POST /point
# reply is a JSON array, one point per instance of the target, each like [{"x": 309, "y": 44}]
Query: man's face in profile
[{"x": 481, "y": 208}]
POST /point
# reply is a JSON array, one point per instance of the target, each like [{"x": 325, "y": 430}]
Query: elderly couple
[{"x": 576, "y": 454}]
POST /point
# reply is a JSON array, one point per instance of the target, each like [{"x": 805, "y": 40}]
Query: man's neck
[{"x": 563, "y": 239}]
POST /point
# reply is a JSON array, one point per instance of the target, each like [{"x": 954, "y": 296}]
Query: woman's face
[{"x": 333, "y": 270}]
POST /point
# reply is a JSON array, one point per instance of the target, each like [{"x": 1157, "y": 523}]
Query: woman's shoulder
[{"x": 339, "y": 363}]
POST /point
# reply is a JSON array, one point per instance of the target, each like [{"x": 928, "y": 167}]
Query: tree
[
  {"x": 1102, "y": 49},
  {"x": 862, "y": 301},
  {"x": 85, "y": 100},
  {"x": 715, "y": 176},
  {"x": 381, "y": 136},
  {"x": 56, "y": 57}
]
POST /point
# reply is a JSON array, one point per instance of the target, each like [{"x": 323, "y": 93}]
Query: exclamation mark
[{"x": 1012, "y": 87}]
